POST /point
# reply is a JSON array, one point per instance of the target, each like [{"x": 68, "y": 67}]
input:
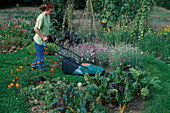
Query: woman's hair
[{"x": 47, "y": 6}]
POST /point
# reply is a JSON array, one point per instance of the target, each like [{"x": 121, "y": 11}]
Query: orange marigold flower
[
  {"x": 18, "y": 61},
  {"x": 34, "y": 63},
  {"x": 16, "y": 78},
  {"x": 9, "y": 86},
  {"x": 12, "y": 84},
  {"x": 54, "y": 62},
  {"x": 52, "y": 69},
  {"x": 45, "y": 52},
  {"x": 50, "y": 60},
  {"x": 41, "y": 82},
  {"x": 38, "y": 62},
  {"x": 11, "y": 72},
  {"x": 20, "y": 67},
  {"x": 32, "y": 68},
  {"x": 45, "y": 58},
  {"x": 54, "y": 66},
  {"x": 17, "y": 85},
  {"x": 50, "y": 74},
  {"x": 44, "y": 47},
  {"x": 13, "y": 80},
  {"x": 17, "y": 69},
  {"x": 25, "y": 58}
]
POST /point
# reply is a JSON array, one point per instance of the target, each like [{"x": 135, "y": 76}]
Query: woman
[{"x": 41, "y": 28}]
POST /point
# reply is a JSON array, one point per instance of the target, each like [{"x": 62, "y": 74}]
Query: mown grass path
[{"x": 160, "y": 95}]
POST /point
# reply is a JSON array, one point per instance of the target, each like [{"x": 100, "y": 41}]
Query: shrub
[{"x": 31, "y": 49}]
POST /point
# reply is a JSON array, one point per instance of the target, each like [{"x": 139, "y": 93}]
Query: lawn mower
[{"x": 72, "y": 66}]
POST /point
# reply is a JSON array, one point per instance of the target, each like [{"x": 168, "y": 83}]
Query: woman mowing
[{"x": 41, "y": 28}]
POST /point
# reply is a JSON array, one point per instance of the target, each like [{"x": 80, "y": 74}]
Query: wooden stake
[{"x": 95, "y": 27}]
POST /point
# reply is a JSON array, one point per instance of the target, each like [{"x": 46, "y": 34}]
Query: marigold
[
  {"x": 44, "y": 47},
  {"x": 54, "y": 62},
  {"x": 50, "y": 74},
  {"x": 20, "y": 67},
  {"x": 9, "y": 86},
  {"x": 12, "y": 84},
  {"x": 32, "y": 68},
  {"x": 52, "y": 69},
  {"x": 11, "y": 72},
  {"x": 17, "y": 69},
  {"x": 18, "y": 61},
  {"x": 17, "y": 85},
  {"x": 45, "y": 58},
  {"x": 34, "y": 63},
  {"x": 45, "y": 52},
  {"x": 41, "y": 82},
  {"x": 25, "y": 58},
  {"x": 54, "y": 66},
  {"x": 13, "y": 80},
  {"x": 16, "y": 78},
  {"x": 38, "y": 62}
]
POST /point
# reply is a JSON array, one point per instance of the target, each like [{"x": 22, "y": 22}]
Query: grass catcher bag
[{"x": 70, "y": 66}]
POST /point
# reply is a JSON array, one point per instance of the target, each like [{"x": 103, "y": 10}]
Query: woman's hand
[{"x": 45, "y": 38}]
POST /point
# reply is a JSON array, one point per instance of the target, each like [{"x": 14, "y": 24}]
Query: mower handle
[{"x": 49, "y": 39}]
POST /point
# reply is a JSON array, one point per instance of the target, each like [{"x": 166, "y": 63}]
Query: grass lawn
[
  {"x": 10, "y": 102},
  {"x": 158, "y": 102}
]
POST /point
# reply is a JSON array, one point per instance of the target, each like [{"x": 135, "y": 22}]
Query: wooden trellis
[{"x": 86, "y": 12}]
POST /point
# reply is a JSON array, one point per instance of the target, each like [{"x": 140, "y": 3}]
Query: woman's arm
[{"x": 39, "y": 33}]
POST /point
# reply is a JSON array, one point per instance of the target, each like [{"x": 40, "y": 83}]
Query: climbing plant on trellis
[{"x": 123, "y": 12}]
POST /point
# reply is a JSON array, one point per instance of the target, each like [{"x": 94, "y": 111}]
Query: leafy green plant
[
  {"x": 97, "y": 89},
  {"x": 129, "y": 84}
]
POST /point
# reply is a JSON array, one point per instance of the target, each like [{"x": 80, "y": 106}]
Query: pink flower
[
  {"x": 121, "y": 58},
  {"x": 116, "y": 65},
  {"x": 101, "y": 48}
]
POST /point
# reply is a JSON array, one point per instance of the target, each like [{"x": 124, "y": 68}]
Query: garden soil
[{"x": 134, "y": 106}]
